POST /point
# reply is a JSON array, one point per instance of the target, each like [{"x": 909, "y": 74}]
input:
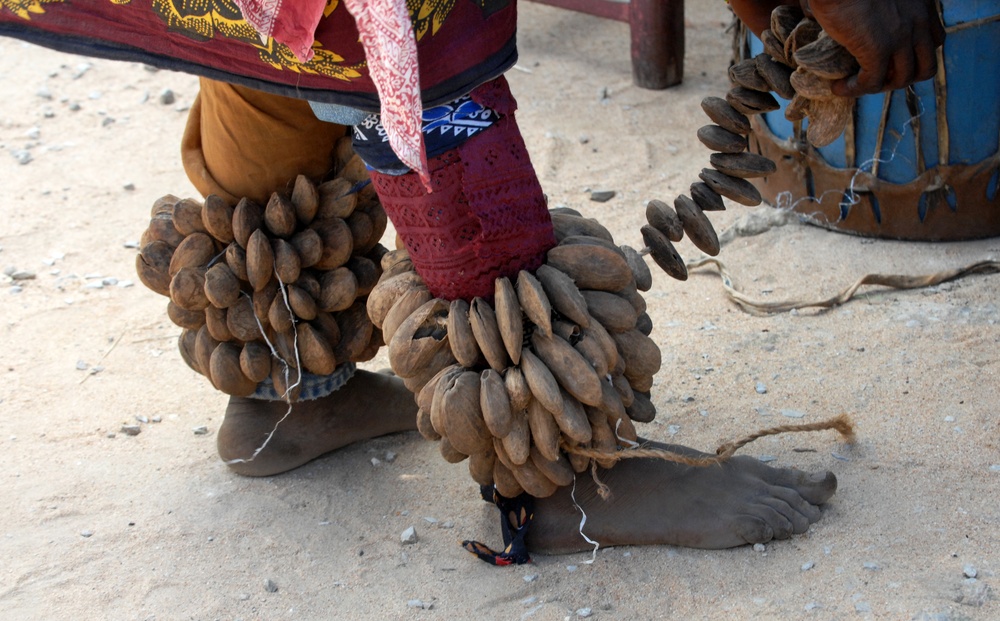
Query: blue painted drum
[{"x": 921, "y": 163}]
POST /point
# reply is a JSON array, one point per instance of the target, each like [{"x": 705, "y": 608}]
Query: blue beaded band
[{"x": 313, "y": 386}]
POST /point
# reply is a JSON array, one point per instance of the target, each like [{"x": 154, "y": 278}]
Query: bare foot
[
  {"x": 367, "y": 406},
  {"x": 657, "y": 502}
]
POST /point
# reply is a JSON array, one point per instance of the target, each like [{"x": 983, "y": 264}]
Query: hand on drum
[{"x": 895, "y": 41}]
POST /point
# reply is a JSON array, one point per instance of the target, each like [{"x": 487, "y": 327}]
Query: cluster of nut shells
[
  {"x": 268, "y": 291},
  {"x": 800, "y": 63},
  {"x": 559, "y": 359}
]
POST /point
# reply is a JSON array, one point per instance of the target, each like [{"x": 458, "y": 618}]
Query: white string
[{"x": 583, "y": 521}]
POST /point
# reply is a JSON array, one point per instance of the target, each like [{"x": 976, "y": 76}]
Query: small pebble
[
  {"x": 673, "y": 429},
  {"x": 995, "y": 468},
  {"x": 166, "y": 97},
  {"x": 142, "y": 418},
  {"x": 808, "y": 565},
  {"x": 110, "y": 281},
  {"x": 571, "y": 568},
  {"x": 34, "y": 133},
  {"x": 871, "y": 566},
  {"x": 243, "y": 597},
  {"x": 431, "y": 520},
  {"x": 111, "y": 434},
  {"x": 131, "y": 244},
  {"x": 86, "y": 533},
  {"x": 759, "y": 547},
  {"x": 390, "y": 456},
  {"x": 95, "y": 94},
  {"x": 376, "y": 462},
  {"x": 531, "y": 577},
  {"x": 22, "y": 156},
  {"x": 107, "y": 121},
  {"x": 862, "y": 607},
  {"x": 969, "y": 571},
  {"x": 81, "y": 365},
  {"x": 840, "y": 457},
  {"x": 129, "y": 187},
  {"x": 9, "y": 270},
  {"x": 792, "y": 414},
  {"x": 416, "y": 603},
  {"x": 23, "y": 275},
  {"x": 583, "y": 613},
  {"x": 408, "y": 536},
  {"x": 200, "y": 430},
  {"x": 44, "y": 93},
  {"x": 811, "y": 606},
  {"x": 125, "y": 284},
  {"x": 157, "y": 419},
  {"x": 270, "y": 586},
  {"x": 949, "y": 419},
  {"x": 602, "y": 196},
  {"x": 16, "y": 289},
  {"x": 767, "y": 458},
  {"x": 74, "y": 106},
  {"x": 81, "y": 69},
  {"x": 95, "y": 370},
  {"x": 131, "y": 430},
  {"x": 761, "y": 388},
  {"x": 446, "y": 525}
]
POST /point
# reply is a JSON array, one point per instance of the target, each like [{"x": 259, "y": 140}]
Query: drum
[{"x": 922, "y": 163}]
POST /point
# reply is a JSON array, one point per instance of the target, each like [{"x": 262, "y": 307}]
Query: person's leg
[{"x": 241, "y": 142}]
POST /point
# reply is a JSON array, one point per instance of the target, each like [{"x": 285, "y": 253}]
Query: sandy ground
[{"x": 101, "y": 525}]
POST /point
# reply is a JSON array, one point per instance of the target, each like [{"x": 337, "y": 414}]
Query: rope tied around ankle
[{"x": 842, "y": 424}]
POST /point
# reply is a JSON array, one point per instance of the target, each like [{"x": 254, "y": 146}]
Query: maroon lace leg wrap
[{"x": 485, "y": 218}]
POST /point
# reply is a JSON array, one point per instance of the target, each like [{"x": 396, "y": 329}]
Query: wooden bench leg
[{"x": 657, "y": 31}]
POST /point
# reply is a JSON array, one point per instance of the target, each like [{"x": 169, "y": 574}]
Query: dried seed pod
[
  {"x": 356, "y": 330},
  {"x": 798, "y": 108},
  {"x": 204, "y": 346},
  {"x": 739, "y": 190},
  {"x": 405, "y": 306},
  {"x": 242, "y": 322},
  {"x": 603, "y": 438},
  {"x": 287, "y": 264},
  {"x": 279, "y": 316},
  {"x": 186, "y": 346},
  {"x": 505, "y": 482},
  {"x": 827, "y": 120},
  {"x": 260, "y": 260},
  {"x": 248, "y": 216},
  {"x": 328, "y": 327},
  {"x": 570, "y": 369},
  {"x": 640, "y": 271},
  {"x": 642, "y": 409},
  {"x": 517, "y": 443},
  {"x": 572, "y": 420},
  {"x": 305, "y": 198},
  {"x": 354, "y": 170},
  {"x": 284, "y": 343},
  {"x": 827, "y": 58},
  {"x": 578, "y": 462},
  {"x": 565, "y": 225},
  {"x": 393, "y": 257},
  {"x": 784, "y": 19},
  {"x": 743, "y": 165},
  {"x": 722, "y": 140},
  {"x": 517, "y": 388},
  {"x": 255, "y": 361},
  {"x": 152, "y": 264},
  {"x": 558, "y": 471},
  {"x": 460, "y": 336},
  {"x": 661, "y": 217},
  {"x": 725, "y": 115},
  {"x": 663, "y": 253},
  {"x": 811, "y": 86},
  {"x": 308, "y": 283},
  {"x": 612, "y": 311},
  {"x": 336, "y": 199},
  {"x": 161, "y": 228},
  {"x": 706, "y": 198},
  {"x": 163, "y": 205},
  {"x": 337, "y": 242},
  {"x": 642, "y": 356},
  {"x": 315, "y": 351},
  {"x": 596, "y": 332},
  {"x": 309, "y": 247},
  {"x": 544, "y": 430},
  {"x": 623, "y": 389},
  {"x": 804, "y": 33},
  {"x": 187, "y": 217},
  {"x": 409, "y": 349},
  {"x": 534, "y": 302},
  {"x": 196, "y": 250},
  {"x": 367, "y": 273},
  {"x": 215, "y": 320},
  {"x": 481, "y": 467},
  {"x": 303, "y": 305},
  {"x": 442, "y": 359},
  {"x": 362, "y": 232},
  {"x": 387, "y": 291},
  {"x": 279, "y": 215},
  {"x": 697, "y": 226},
  {"x": 566, "y": 330},
  {"x": 190, "y": 320},
  {"x": 226, "y": 373},
  {"x": 632, "y": 295},
  {"x": 744, "y": 73},
  {"x": 187, "y": 289},
  {"x": 591, "y": 267},
  {"x": 593, "y": 353},
  {"x": 287, "y": 381},
  {"x": 424, "y": 425},
  {"x": 776, "y": 75},
  {"x": 263, "y": 299},
  {"x": 442, "y": 381},
  {"x": 509, "y": 321},
  {"x": 495, "y": 403},
  {"x": 236, "y": 259},
  {"x": 533, "y": 480},
  {"x": 751, "y": 102},
  {"x": 644, "y": 324},
  {"x": 543, "y": 384},
  {"x": 217, "y": 217},
  {"x": 338, "y": 290},
  {"x": 563, "y": 294},
  {"x": 466, "y": 429},
  {"x": 774, "y": 47},
  {"x": 484, "y": 327},
  {"x": 222, "y": 288}
]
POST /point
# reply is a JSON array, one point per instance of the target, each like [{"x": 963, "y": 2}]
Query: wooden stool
[{"x": 657, "y": 32}]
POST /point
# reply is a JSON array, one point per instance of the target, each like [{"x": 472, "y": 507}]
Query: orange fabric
[{"x": 244, "y": 142}]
